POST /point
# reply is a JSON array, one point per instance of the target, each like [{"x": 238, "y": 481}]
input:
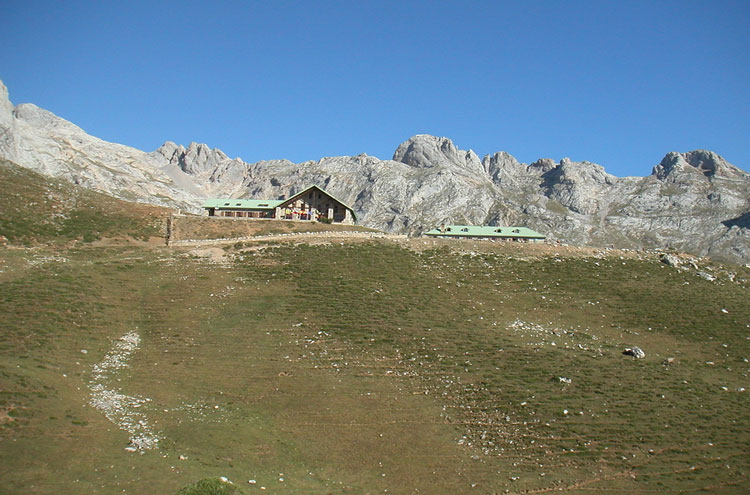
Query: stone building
[{"x": 313, "y": 204}]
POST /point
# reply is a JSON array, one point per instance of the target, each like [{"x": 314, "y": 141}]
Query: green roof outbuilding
[
  {"x": 485, "y": 231},
  {"x": 241, "y": 204}
]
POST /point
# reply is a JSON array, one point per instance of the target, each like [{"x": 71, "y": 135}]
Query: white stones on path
[{"x": 119, "y": 408}]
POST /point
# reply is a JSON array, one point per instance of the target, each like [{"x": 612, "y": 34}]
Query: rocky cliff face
[
  {"x": 695, "y": 202},
  {"x": 37, "y": 139}
]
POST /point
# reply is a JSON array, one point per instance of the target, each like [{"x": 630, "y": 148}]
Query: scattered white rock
[
  {"x": 117, "y": 407},
  {"x": 634, "y": 351}
]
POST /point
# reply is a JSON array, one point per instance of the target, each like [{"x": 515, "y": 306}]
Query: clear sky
[{"x": 619, "y": 83}]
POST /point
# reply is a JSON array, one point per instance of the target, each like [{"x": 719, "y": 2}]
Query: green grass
[
  {"x": 38, "y": 210},
  {"x": 442, "y": 312},
  {"x": 370, "y": 366}
]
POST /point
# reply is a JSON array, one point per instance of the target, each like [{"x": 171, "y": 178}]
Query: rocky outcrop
[
  {"x": 704, "y": 162},
  {"x": 695, "y": 202},
  {"x": 425, "y": 151},
  {"x": 581, "y": 187}
]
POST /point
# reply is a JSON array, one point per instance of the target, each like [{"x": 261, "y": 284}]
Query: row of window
[
  {"x": 248, "y": 214},
  {"x": 499, "y": 231}
]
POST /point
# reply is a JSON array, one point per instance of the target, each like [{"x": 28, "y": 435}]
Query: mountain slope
[
  {"x": 40, "y": 210},
  {"x": 695, "y": 201},
  {"x": 39, "y": 140},
  {"x": 434, "y": 367}
]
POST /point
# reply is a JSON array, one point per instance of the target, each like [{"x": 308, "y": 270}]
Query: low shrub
[{"x": 211, "y": 486}]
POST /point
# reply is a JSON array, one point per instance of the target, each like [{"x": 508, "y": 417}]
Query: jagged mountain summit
[{"x": 695, "y": 202}]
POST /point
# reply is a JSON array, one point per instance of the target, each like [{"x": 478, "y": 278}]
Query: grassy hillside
[
  {"x": 37, "y": 209},
  {"x": 369, "y": 366}
]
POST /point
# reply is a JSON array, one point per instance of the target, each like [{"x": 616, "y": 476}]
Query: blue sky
[{"x": 616, "y": 83}]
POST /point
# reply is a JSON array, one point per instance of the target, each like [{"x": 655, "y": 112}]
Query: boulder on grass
[{"x": 634, "y": 351}]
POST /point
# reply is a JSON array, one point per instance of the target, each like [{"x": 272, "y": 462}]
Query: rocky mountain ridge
[{"x": 694, "y": 202}]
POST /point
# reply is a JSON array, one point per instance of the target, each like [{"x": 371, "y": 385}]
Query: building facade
[{"x": 313, "y": 204}]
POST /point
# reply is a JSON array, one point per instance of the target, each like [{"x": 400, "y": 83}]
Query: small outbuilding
[
  {"x": 312, "y": 204},
  {"x": 518, "y": 234}
]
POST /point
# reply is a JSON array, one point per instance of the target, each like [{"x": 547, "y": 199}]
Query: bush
[{"x": 211, "y": 486}]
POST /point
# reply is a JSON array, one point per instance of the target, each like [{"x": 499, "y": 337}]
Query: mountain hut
[{"x": 312, "y": 204}]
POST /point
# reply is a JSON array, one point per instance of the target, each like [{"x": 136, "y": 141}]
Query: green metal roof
[
  {"x": 485, "y": 231},
  {"x": 250, "y": 204}
]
